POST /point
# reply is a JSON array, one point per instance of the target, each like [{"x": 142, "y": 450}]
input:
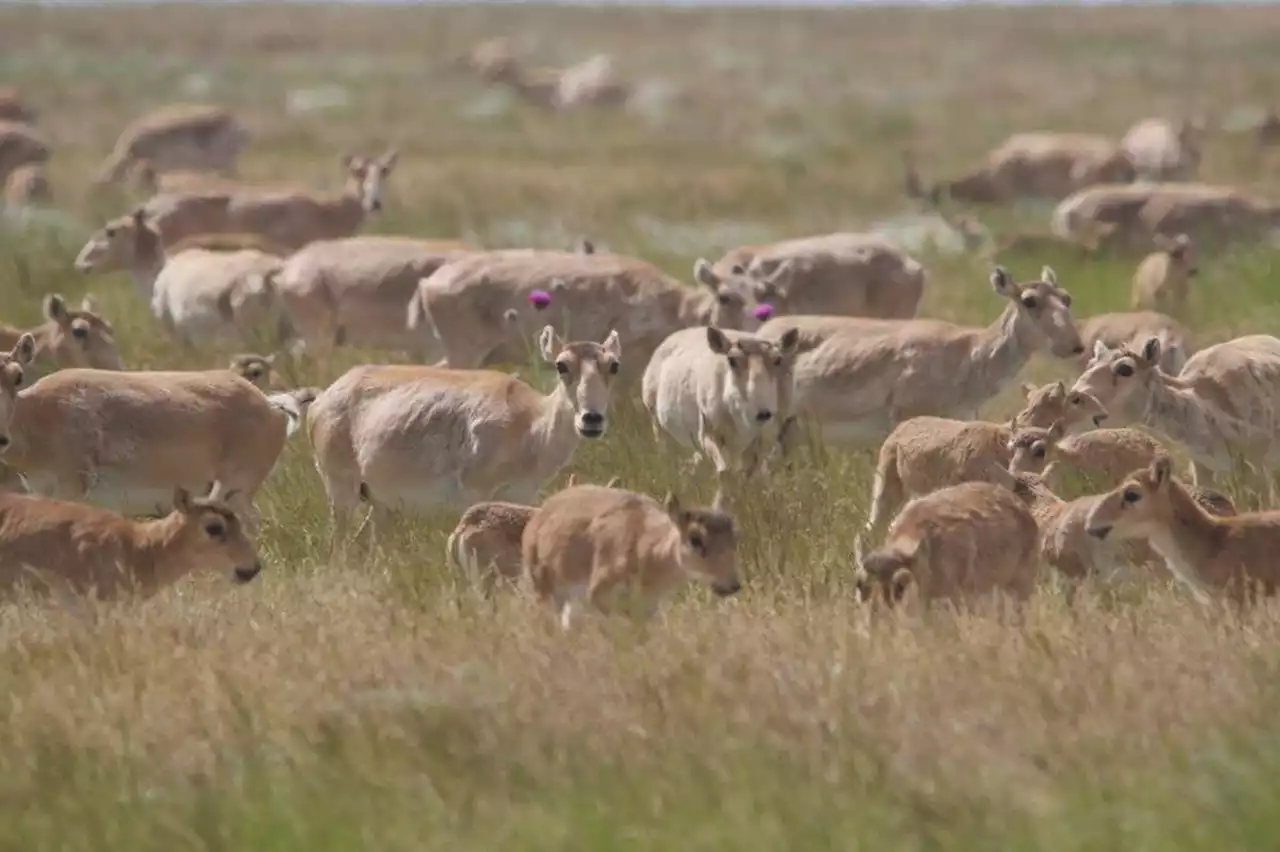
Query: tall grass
[{"x": 378, "y": 702}]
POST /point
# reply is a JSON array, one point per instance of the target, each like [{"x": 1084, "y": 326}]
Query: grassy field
[{"x": 382, "y": 704}]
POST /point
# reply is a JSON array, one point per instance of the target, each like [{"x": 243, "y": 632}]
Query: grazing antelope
[
  {"x": 592, "y": 82},
  {"x": 134, "y": 243},
  {"x": 125, "y": 440},
  {"x": 68, "y": 338},
  {"x": 475, "y": 307},
  {"x": 958, "y": 542},
  {"x": 1232, "y": 556},
  {"x": 486, "y": 542},
  {"x": 858, "y": 387},
  {"x": 27, "y": 185},
  {"x": 13, "y": 375},
  {"x": 814, "y": 329},
  {"x": 55, "y": 547},
  {"x": 1131, "y": 330},
  {"x": 592, "y": 545},
  {"x": 286, "y": 217},
  {"x": 1132, "y": 213},
  {"x": 1223, "y": 404},
  {"x": 924, "y": 454},
  {"x": 850, "y": 274},
  {"x": 357, "y": 291},
  {"x": 1099, "y": 458},
  {"x": 1032, "y": 165},
  {"x": 417, "y": 437},
  {"x": 1162, "y": 281},
  {"x": 1161, "y": 151},
  {"x": 183, "y": 136},
  {"x": 1065, "y": 543},
  {"x": 20, "y": 145},
  {"x": 1050, "y": 402},
  {"x": 721, "y": 392},
  {"x": 208, "y": 287}
]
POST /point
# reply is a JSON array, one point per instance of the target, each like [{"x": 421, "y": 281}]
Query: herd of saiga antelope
[{"x": 818, "y": 331}]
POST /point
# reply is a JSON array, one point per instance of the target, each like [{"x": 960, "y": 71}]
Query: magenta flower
[
  {"x": 539, "y": 299},
  {"x": 762, "y": 312}
]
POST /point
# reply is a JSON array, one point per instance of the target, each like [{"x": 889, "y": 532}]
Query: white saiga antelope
[{"x": 721, "y": 392}]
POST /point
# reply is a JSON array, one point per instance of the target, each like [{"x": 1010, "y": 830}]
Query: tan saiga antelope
[
  {"x": 413, "y": 437},
  {"x": 1232, "y": 557},
  {"x": 1132, "y": 329},
  {"x": 1031, "y": 165},
  {"x": 60, "y": 548},
  {"x": 1065, "y": 543},
  {"x": 1162, "y": 281},
  {"x": 13, "y": 376},
  {"x": 190, "y": 136},
  {"x": 924, "y": 454},
  {"x": 588, "y": 545},
  {"x": 1099, "y": 458},
  {"x": 125, "y": 440},
  {"x": 1052, "y": 401},
  {"x": 27, "y": 185},
  {"x": 290, "y": 218},
  {"x": 1223, "y": 406},
  {"x": 485, "y": 545},
  {"x": 957, "y": 543},
  {"x": 68, "y": 338},
  {"x": 848, "y": 273},
  {"x": 477, "y": 307},
  {"x": 360, "y": 291},
  {"x": 858, "y": 386}
]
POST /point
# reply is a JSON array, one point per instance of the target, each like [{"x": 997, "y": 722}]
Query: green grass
[{"x": 380, "y": 703}]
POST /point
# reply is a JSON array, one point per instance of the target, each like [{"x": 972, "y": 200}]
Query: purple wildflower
[
  {"x": 762, "y": 312},
  {"x": 539, "y": 299}
]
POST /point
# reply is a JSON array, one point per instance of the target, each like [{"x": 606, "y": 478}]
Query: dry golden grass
[{"x": 379, "y": 703}]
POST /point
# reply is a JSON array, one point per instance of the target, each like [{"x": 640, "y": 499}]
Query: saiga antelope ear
[
  {"x": 24, "y": 351},
  {"x": 704, "y": 274},
  {"x": 789, "y": 341},
  {"x": 672, "y": 504},
  {"x": 549, "y": 343},
  {"x": 1151, "y": 350},
  {"x": 1160, "y": 470},
  {"x": 900, "y": 583},
  {"x": 1003, "y": 283},
  {"x": 613, "y": 344},
  {"x": 721, "y": 503}
]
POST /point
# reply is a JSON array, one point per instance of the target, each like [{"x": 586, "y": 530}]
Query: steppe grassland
[{"x": 381, "y": 704}]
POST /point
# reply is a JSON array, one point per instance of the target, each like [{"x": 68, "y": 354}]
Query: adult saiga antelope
[
  {"x": 858, "y": 386},
  {"x": 1224, "y": 403},
  {"x": 126, "y": 440},
  {"x": 419, "y": 437}
]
